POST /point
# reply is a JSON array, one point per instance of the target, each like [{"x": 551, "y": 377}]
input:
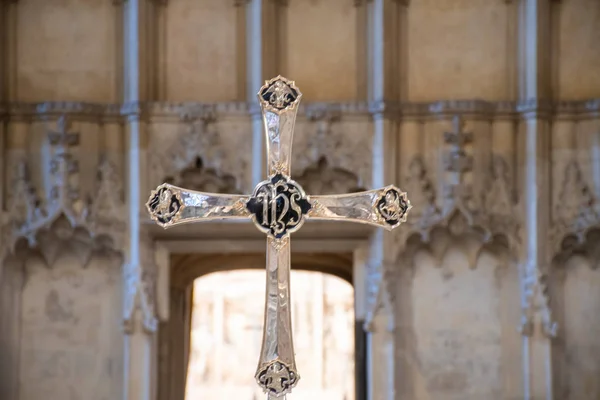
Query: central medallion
[{"x": 278, "y": 206}]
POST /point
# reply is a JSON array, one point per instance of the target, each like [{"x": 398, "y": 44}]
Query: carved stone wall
[
  {"x": 321, "y": 76},
  {"x": 485, "y": 111},
  {"x": 71, "y": 343},
  {"x": 578, "y": 300},
  {"x": 205, "y": 72},
  {"x": 456, "y": 62},
  {"x": 53, "y": 62}
]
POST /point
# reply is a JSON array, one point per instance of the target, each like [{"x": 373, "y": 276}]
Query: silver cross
[{"x": 278, "y": 206}]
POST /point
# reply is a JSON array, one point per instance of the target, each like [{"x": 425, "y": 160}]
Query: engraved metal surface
[
  {"x": 164, "y": 205},
  {"x": 279, "y": 122},
  {"x": 278, "y": 207},
  {"x": 279, "y": 94},
  {"x": 393, "y": 206},
  {"x": 170, "y": 205},
  {"x": 277, "y": 344},
  {"x": 277, "y": 378},
  {"x": 386, "y": 208}
]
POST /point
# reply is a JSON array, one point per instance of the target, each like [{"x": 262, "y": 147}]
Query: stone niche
[
  {"x": 578, "y": 50},
  {"x": 321, "y": 49},
  {"x": 201, "y": 41},
  {"x": 581, "y": 327},
  {"x": 463, "y": 347},
  {"x": 54, "y": 58},
  {"x": 457, "y": 50},
  {"x": 71, "y": 341}
]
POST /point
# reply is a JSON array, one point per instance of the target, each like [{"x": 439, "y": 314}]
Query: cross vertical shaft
[{"x": 276, "y": 371}]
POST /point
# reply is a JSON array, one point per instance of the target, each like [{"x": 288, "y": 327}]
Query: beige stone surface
[
  {"x": 578, "y": 50},
  {"x": 456, "y": 329},
  {"x": 172, "y": 153},
  {"x": 457, "y": 50},
  {"x": 200, "y": 58},
  {"x": 321, "y": 49},
  {"x": 582, "y": 328},
  {"x": 71, "y": 342},
  {"x": 457, "y": 323},
  {"x": 66, "y": 50}
]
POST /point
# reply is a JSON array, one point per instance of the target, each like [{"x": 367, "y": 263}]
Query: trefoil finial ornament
[
  {"x": 278, "y": 207},
  {"x": 279, "y": 95}
]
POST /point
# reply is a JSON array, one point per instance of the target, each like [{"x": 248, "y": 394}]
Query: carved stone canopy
[
  {"x": 537, "y": 303},
  {"x": 323, "y": 179},
  {"x": 327, "y": 141},
  {"x": 484, "y": 220},
  {"x": 200, "y": 152},
  {"x": 61, "y": 237},
  {"x": 382, "y": 296},
  {"x": 198, "y": 177},
  {"x": 576, "y": 222},
  {"x": 62, "y": 216}
]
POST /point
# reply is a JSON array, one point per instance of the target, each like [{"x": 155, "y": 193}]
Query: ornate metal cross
[{"x": 278, "y": 206}]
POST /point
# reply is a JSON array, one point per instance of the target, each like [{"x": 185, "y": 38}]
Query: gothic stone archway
[{"x": 318, "y": 247}]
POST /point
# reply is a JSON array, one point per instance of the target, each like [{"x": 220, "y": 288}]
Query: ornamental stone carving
[
  {"x": 198, "y": 177},
  {"x": 500, "y": 202},
  {"x": 425, "y": 212},
  {"x": 140, "y": 285},
  {"x": 200, "y": 146},
  {"x": 536, "y": 307},
  {"x": 576, "y": 211},
  {"x": 461, "y": 208},
  {"x": 63, "y": 213},
  {"x": 458, "y": 196},
  {"x": 381, "y": 294},
  {"x": 323, "y": 179},
  {"x": 326, "y": 146},
  {"x": 24, "y": 207},
  {"x": 106, "y": 208}
]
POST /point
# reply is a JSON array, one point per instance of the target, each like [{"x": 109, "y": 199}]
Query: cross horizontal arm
[
  {"x": 386, "y": 207},
  {"x": 170, "y": 205}
]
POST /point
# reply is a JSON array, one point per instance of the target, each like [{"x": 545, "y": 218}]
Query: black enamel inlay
[
  {"x": 392, "y": 206},
  {"x": 163, "y": 213},
  {"x": 279, "y": 95},
  {"x": 278, "y": 205},
  {"x": 277, "y": 378}
]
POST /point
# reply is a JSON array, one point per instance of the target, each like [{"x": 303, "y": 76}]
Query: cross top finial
[{"x": 279, "y": 95}]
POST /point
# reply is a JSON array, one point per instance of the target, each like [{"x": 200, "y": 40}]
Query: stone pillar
[
  {"x": 3, "y": 99},
  {"x": 274, "y": 38},
  {"x": 140, "y": 268},
  {"x": 595, "y": 158},
  {"x": 139, "y": 286},
  {"x": 537, "y": 328},
  {"x": 12, "y": 280},
  {"x": 535, "y": 91},
  {"x": 318, "y": 326},
  {"x": 218, "y": 366},
  {"x": 13, "y": 147},
  {"x": 361, "y": 294},
  {"x": 265, "y": 59},
  {"x": 386, "y": 21},
  {"x": 254, "y": 79},
  {"x": 8, "y": 28},
  {"x": 3, "y": 178}
]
